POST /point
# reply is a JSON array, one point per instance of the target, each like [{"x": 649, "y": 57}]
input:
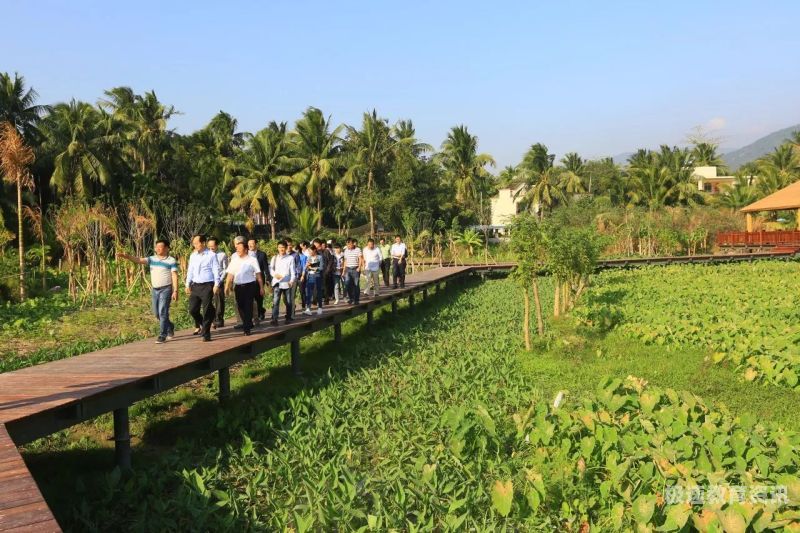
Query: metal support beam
[
  {"x": 224, "y": 383},
  {"x": 337, "y": 332},
  {"x": 296, "y": 357},
  {"x": 122, "y": 439},
  {"x": 370, "y": 318}
]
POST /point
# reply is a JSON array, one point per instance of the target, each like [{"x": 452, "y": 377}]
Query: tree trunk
[
  {"x": 526, "y": 321},
  {"x": 319, "y": 206},
  {"x": 20, "y": 241},
  {"x": 538, "y": 305},
  {"x": 371, "y": 207},
  {"x": 272, "y": 222},
  {"x": 557, "y": 298}
]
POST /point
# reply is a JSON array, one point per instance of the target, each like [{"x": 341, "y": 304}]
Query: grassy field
[{"x": 438, "y": 420}]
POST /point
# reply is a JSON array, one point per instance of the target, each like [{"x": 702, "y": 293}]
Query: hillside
[{"x": 756, "y": 149}]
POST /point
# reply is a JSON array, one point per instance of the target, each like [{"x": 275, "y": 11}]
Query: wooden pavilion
[{"x": 786, "y": 199}]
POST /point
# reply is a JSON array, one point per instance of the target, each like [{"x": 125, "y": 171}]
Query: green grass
[{"x": 572, "y": 359}]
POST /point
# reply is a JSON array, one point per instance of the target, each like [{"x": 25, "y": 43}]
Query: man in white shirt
[
  {"x": 372, "y": 261},
  {"x": 244, "y": 274},
  {"x": 219, "y": 297},
  {"x": 282, "y": 270},
  {"x": 202, "y": 282},
  {"x": 399, "y": 254}
]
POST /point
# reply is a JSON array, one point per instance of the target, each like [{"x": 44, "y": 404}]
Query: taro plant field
[
  {"x": 437, "y": 421},
  {"x": 745, "y": 315}
]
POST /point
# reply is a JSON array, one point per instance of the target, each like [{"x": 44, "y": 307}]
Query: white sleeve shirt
[
  {"x": 243, "y": 269},
  {"x": 398, "y": 250}
]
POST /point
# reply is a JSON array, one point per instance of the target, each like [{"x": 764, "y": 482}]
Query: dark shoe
[
  {"x": 262, "y": 317},
  {"x": 238, "y": 326},
  {"x": 161, "y": 339},
  {"x": 213, "y": 326},
  {"x": 273, "y": 322},
  {"x": 289, "y": 320},
  {"x": 394, "y": 286},
  {"x": 197, "y": 331},
  {"x": 206, "y": 338},
  {"x": 247, "y": 333}
]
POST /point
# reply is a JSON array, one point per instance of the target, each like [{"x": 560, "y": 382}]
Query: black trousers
[
  {"x": 385, "y": 267},
  {"x": 245, "y": 294},
  {"x": 219, "y": 307},
  {"x": 399, "y": 272},
  {"x": 201, "y": 299},
  {"x": 259, "y": 302},
  {"x": 329, "y": 284}
]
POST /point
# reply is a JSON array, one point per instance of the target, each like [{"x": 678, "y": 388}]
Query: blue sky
[{"x": 599, "y": 78}]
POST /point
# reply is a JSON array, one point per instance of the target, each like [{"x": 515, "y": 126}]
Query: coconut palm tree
[
  {"x": 76, "y": 133},
  {"x": 144, "y": 125},
  {"x": 18, "y": 107},
  {"x": 739, "y": 194},
  {"x": 572, "y": 177},
  {"x": 261, "y": 172},
  {"x": 371, "y": 151},
  {"x": 317, "y": 154},
  {"x": 15, "y": 157},
  {"x": 705, "y": 155},
  {"x": 778, "y": 169},
  {"x": 463, "y": 166}
]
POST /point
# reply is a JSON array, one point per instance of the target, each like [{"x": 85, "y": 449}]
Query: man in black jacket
[
  {"x": 328, "y": 268},
  {"x": 263, "y": 264}
]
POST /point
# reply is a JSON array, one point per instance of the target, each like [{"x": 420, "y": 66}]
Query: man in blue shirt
[{"x": 202, "y": 283}]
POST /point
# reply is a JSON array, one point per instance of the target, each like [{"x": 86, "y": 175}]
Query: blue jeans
[
  {"x": 162, "y": 297},
  {"x": 352, "y": 280},
  {"x": 314, "y": 288},
  {"x": 286, "y": 294}
]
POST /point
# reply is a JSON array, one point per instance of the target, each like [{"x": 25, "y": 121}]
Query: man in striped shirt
[
  {"x": 351, "y": 270},
  {"x": 164, "y": 285}
]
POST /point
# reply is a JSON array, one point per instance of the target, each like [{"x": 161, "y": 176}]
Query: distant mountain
[{"x": 756, "y": 149}]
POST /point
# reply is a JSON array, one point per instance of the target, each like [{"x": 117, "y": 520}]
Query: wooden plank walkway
[
  {"x": 42, "y": 399},
  {"x": 22, "y": 507}
]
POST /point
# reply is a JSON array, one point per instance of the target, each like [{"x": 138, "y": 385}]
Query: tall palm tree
[
  {"x": 371, "y": 151},
  {"x": 261, "y": 172},
  {"x": 463, "y": 166},
  {"x": 76, "y": 133},
  {"x": 705, "y": 155},
  {"x": 18, "y": 106},
  {"x": 15, "y": 157},
  {"x": 405, "y": 132},
  {"x": 738, "y": 195},
  {"x": 316, "y": 154},
  {"x": 778, "y": 169},
  {"x": 144, "y": 119},
  {"x": 541, "y": 182},
  {"x": 572, "y": 177}
]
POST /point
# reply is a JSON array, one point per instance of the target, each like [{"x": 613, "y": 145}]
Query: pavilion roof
[{"x": 786, "y": 198}]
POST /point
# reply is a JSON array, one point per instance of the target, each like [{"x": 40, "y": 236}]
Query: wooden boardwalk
[{"x": 40, "y": 400}]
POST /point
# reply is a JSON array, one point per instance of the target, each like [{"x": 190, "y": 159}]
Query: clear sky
[{"x": 597, "y": 77}]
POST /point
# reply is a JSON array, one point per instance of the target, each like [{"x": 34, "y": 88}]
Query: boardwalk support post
[
  {"x": 296, "y": 357},
  {"x": 411, "y": 300},
  {"x": 424, "y": 294},
  {"x": 337, "y": 332},
  {"x": 224, "y": 383},
  {"x": 122, "y": 439},
  {"x": 370, "y": 318},
  {"x": 394, "y": 306}
]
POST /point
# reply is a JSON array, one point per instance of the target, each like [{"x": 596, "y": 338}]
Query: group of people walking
[{"x": 320, "y": 271}]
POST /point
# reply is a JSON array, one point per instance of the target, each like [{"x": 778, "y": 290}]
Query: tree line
[{"x": 78, "y": 174}]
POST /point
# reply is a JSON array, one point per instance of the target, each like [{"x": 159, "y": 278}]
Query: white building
[
  {"x": 505, "y": 205},
  {"x": 708, "y": 181}
]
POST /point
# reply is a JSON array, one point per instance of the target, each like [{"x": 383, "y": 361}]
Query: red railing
[{"x": 759, "y": 238}]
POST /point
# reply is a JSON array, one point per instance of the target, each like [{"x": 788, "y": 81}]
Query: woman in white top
[
  {"x": 372, "y": 260},
  {"x": 245, "y": 275},
  {"x": 399, "y": 253}
]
